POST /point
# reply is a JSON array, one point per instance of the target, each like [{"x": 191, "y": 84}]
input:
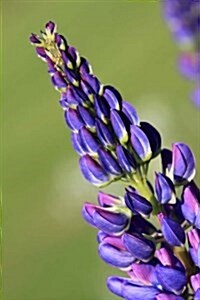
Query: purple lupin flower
[
  {"x": 183, "y": 19},
  {"x": 143, "y": 233}
]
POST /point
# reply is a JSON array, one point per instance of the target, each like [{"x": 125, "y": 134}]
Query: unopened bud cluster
[{"x": 152, "y": 233}]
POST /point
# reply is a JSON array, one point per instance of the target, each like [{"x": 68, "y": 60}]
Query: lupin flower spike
[{"x": 153, "y": 236}]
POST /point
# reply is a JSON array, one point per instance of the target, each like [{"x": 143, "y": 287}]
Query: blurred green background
[{"x": 49, "y": 252}]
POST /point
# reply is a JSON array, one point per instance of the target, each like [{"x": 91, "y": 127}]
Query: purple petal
[
  {"x": 171, "y": 279},
  {"x": 153, "y": 136},
  {"x": 108, "y": 162},
  {"x": 140, "y": 143},
  {"x": 119, "y": 127},
  {"x": 104, "y": 134},
  {"x": 110, "y": 222},
  {"x": 191, "y": 202},
  {"x": 183, "y": 164},
  {"x": 164, "y": 296},
  {"x": 137, "y": 203},
  {"x": 172, "y": 231},
  {"x": 101, "y": 109},
  {"x": 92, "y": 171},
  {"x": 58, "y": 81},
  {"x": 114, "y": 256},
  {"x": 86, "y": 117},
  {"x": 164, "y": 188},
  {"x": 166, "y": 156},
  {"x": 195, "y": 281},
  {"x": 85, "y": 68},
  {"x": 51, "y": 27},
  {"x": 77, "y": 144},
  {"x": 130, "y": 112},
  {"x": 108, "y": 200},
  {"x": 131, "y": 292},
  {"x": 115, "y": 284},
  {"x": 125, "y": 159},
  {"x": 113, "y": 97},
  {"x": 89, "y": 141},
  {"x": 140, "y": 247},
  {"x": 73, "y": 119}
]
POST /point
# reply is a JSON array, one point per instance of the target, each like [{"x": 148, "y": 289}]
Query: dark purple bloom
[
  {"x": 172, "y": 280},
  {"x": 130, "y": 113},
  {"x": 73, "y": 119},
  {"x": 166, "y": 157},
  {"x": 86, "y": 116},
  {"x": 194, "y": 244},
  {"x": 104, "y": 134},
  {"x": 140, "y": 144},
  {"x": 153, "y": 136},
  {"x": 89, "y": 141},
  {"x": 141, "y": 248},
  {"x": 183, "y": 164},
  {"x": 109, "y": 163},
  {"x": 137, "y": 203},
  {"x": 104, "y": 219},
  {"x": 125, "y": 159},
  {"x": 164, "y": 188},
  {"x": 191, "y": 204},
  {"x": 172, "y": 231},
  {"x": 102, "y": 109},
  {"x": 77, "y": 144},
  {"x": 110, "y": 222},
  {"x": 119, "y": 126},
  {"x": 113, "y": 97},
  {"x": 92, "y": 171},
  {"x": 112, "y": 251}
]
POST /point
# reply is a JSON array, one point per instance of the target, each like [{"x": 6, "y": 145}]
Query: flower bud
[
  {"x": 115, "y": 284},
  {"x": 165, "y": 190},
  {"x": 171, "y": 279},
  {"x": 87, "y": 117},
  {"x": 92, "y": 171},
  {"x": 89, "y": 141},
  {"x": 191, "y": 204},
  {"x": 172, "y": 231},
  {"x": 166, "y": 157},
  {"x": 130, "y": 112},
  {"x": 109, "y": 163},
  {"x": 85, "y": 67},
  {"x": 101, "y": 108},
  {"x": 113, "y": 97},
  {"x": 167, "y": 258},
  {"x": 140, "y": 144},
  {"x": 125, "y": 159},
  {"x": 194, "y": 245},
  {"x": 131, "y": 291},
  {"x": 104, "y": 134},
  {"x": 108, "y": 200},
  {"x": 183, "y": 164},
  {"x": 77, "y": 144},
  {"x": 153, "y": 137},
  {"x": 58, "y": 81},
  {"x": 119, "y": 127},
  {"x": 93, "y": 82},
  {"x": 141, "y": 248},
  {"x": 110, "y": 222},
  {"x": 195, "y": 281},
  {"x": 143, "y": 274},
  {"x": 112, "y": 251},
  {"x": 137, "y": 203},
  {"x": 73, "y": 119}
]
